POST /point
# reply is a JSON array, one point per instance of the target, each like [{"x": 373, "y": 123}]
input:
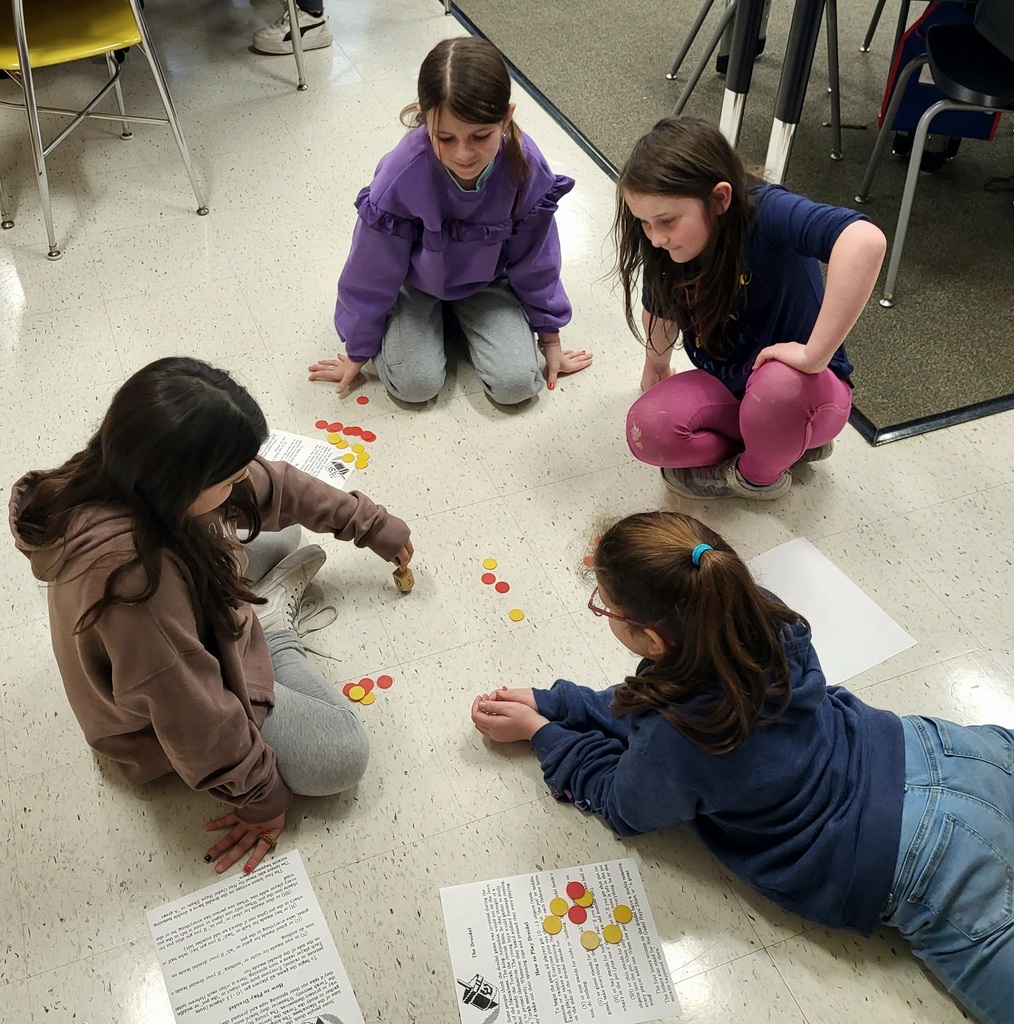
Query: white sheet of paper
[
  {"x": 508, "y": 969},
  {"x": 318, "y": 458},
  {"x": 253, "y": 949},
  {"x": 850, "y": 632}
]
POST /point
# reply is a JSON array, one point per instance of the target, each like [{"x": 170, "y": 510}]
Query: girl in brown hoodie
[{"x": 165, "y": 663}]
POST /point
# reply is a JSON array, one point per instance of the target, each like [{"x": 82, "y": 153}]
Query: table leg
[
  {"x": 796, "y": 67},
  {"x": 745, "y": 33}
]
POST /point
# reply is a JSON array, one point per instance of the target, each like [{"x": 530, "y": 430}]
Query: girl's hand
[
  {"x": 244, "y": 838},
  {"x": 560, "y": 360},
  {"x": 791, "y": 353},
  {"x": 403, "y": 557},
  {"x": 343, "y": 371},
  {"x": 519, "y": 695},
  {"x": 505, "y": 721},
  {"x": 655, "y": 371}
]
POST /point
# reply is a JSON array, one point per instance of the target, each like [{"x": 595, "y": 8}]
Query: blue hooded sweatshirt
[{"x": 807, "y": 810}]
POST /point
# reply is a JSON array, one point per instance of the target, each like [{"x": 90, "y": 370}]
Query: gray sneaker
[
  {"x": 722, "y": 481},
  {"x": 284, "y": 586},
  {"x": 816, "y": 454}
]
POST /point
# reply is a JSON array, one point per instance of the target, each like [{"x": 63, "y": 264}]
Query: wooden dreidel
[{"x": 404, "y": 580}]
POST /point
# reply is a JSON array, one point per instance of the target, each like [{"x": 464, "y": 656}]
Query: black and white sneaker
[{"x": 315, "y": 30}]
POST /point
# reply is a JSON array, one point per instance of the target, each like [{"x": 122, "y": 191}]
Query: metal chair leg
[
  {"x": 114, "y": 72},
  {"x": 911, "y": 179},
  {"x": 691, "y": 37},
  {"x": 447, "y": 6},
  {"x": 899, "y": 30},
  {"x": 35, "y": 130},
  {"x": 297, "y": 44},
  {"x": 833, "y": 72},
  {"x": 886, "y": 126},
  {"x": 6, "y": 220},
  {"x": 874, "y": 21},
  {"x": 148, "y": 50},
  {"x": 702, "y": 64}
]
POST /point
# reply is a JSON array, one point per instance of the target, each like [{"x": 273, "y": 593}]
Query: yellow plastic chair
[{"x": 38, "y": 34}]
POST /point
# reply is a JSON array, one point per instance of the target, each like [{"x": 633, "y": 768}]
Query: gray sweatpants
[
  {"x": 412, "y": 362},
  {"x": 320, "y": 745}
]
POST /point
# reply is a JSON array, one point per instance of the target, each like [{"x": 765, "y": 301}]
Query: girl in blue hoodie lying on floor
[{"x": 843, "y": 813}]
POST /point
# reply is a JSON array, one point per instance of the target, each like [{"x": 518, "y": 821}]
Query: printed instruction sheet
[
  {"x": 568, "y": 946},
  {"x": 851, "y": 633},
  {"x": 318, "y": 458},
  {"x": 253, "y": 949}
]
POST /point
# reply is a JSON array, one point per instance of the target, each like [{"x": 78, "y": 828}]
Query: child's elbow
[
  {"x": 869, "y": 239},
  {"x": 878, "y": 243}
]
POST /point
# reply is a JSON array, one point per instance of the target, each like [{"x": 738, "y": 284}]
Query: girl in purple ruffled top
[{"x": 459, "y": 220}]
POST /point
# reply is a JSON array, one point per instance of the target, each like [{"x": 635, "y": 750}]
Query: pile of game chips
[
  {"x": 576, "y": 911},
  {"x": 362, "y": 692},
  {"x": 338, "y": 433}
]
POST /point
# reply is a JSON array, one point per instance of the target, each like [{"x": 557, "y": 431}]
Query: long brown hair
[
  {"x": 175, "y": 428},
  {"x": 727, "y": 658},
  {"x": 468, "y": 77},
  {"x": 685, "y": 157}
]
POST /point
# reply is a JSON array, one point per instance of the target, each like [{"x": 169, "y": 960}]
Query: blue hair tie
[{"x": 695, "y": 555}]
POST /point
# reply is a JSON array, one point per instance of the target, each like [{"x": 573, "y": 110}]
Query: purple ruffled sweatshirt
[{"x": 416, "y": 227}]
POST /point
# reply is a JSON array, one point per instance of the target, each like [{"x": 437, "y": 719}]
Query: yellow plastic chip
[
  {"x": 589, "y": 940},
  {"x": 622, "y": 913},
  {"x": 558, "y": 906},
  {"x": 489, "y": 563},
  {"x": 341, "y": 444},
  {"x": 348, "y": 457},
  {"x": 357, "y": 448},
  {"x": 357, "y": 693},
  {"x": 612, "y": 933},
  {"x": 335, "y": 437},
  {"x": 369, "y": 698},
  {"x": 552, "y": 924},
  {"x": 515, "y": 615},
  {"x": 586, "y": 900},
  {"x": 362, "y": 461}
]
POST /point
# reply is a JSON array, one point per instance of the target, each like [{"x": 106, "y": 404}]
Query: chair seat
[
  {"x": 61, "y": 32},
  {"x": 968, "y": 68}
]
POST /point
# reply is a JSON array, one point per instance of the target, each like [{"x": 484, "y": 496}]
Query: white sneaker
[
  {"x": 315, "y": 611},
  {"x": 315, "y": 30},
  {"x": 284, "y": 586}
]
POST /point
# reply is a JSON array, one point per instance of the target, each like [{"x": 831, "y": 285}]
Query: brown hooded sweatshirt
[{"x": 152, "y": 686}]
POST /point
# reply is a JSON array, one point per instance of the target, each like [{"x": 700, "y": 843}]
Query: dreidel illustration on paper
[{"x": 479, "y": 993}]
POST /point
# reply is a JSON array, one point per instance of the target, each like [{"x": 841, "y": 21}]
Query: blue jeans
[{"x": 953, "y": 896}]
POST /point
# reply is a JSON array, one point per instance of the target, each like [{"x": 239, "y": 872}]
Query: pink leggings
[{"x": 692, "y": 419}]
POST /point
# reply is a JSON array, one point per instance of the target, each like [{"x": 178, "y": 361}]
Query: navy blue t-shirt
[{"x": 788, "y": 239}]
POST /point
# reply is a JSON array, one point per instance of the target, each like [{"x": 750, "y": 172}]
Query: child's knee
[
  {"x": 512, "y": 388},
  {"x": 348, "y": 754},
  {"x": 776, "y": 383},
  {"x": 418, "y": 388},
  {"x": 650, "y": 431}
]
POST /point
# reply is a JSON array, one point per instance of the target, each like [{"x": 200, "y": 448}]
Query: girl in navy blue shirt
[
  {"x": 731, "y": 267},
  {"x": 842, "y": 813}
]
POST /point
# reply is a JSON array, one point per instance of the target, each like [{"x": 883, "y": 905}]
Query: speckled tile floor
[{"x": 923, "y": 525}]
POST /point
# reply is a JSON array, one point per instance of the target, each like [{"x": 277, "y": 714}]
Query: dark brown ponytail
[{"x": 727, "y": 659}]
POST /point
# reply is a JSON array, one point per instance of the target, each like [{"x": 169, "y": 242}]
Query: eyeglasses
[{"x": 599, "y": 611}]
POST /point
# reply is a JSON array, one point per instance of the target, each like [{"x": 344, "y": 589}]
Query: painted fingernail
[
  {"x": 552, "y": 387},
  {"x": 208, "y": 858},
  {"x": 247, "y": 869}
]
